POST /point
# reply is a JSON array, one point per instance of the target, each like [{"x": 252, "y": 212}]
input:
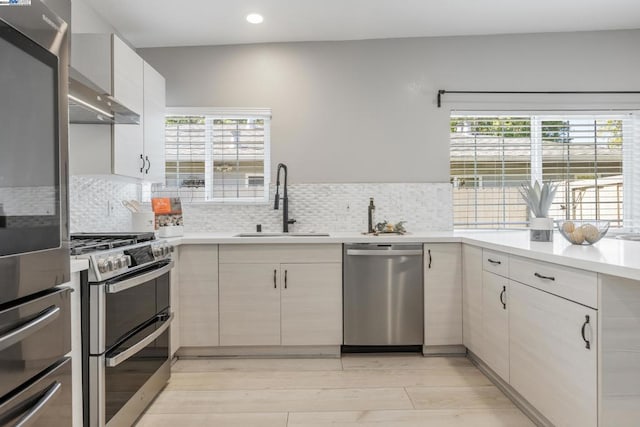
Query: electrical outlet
[{"x": 110, "y": 208}]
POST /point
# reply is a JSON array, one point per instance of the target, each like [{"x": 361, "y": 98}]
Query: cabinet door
[
  {"x": 153, "y": 124},
  {"x": 249, "y": 304},
  {"x": 198, "y": 296},
  {"x": 127, "y": 76},
  {"x": 174, "y": 338},
  {"x": 495, "y": 323},
  {"x": 128, "y": 89},
  {"x": 442, "y": 294},
  {"x": 311, "y": 298},
  {"x": 472, "y": 298},
  {"x": 550, "y": 364}
]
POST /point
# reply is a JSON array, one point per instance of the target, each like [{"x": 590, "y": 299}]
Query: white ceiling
[{"x": 152, "y": 23}]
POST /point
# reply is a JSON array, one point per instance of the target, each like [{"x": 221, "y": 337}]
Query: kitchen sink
[{"x": 282, "y": 235}]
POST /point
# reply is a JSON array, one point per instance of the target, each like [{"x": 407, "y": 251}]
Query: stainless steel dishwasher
[{"x": 383, "y": 295}]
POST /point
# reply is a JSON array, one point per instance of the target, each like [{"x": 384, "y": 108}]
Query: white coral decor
[{"x": 538, "y": 197}]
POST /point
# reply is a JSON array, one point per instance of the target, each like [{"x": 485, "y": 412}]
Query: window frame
[
  {"x": 538, "y": 116},
  {"x": 231, "y": 113}
]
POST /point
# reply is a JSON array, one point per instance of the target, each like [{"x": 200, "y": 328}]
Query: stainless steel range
[{"x": 126, "y": 317}]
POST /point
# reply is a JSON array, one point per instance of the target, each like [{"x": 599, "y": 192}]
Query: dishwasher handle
[{"x": 388, "y": 252}]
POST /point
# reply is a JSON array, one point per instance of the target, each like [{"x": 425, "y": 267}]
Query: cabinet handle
[
  {"x": 540, "y": 276},
  {"x": 143, "y": 163},
  {"x": 504, "y": 291},
  {"x": 285, "y": 279},
  {"x": 587, "y": 344},
  {"x": 275, "y": 285},
  {"x": 429, "y": 251},
  {"x": 493, "y": 261},
  {"x": 148, "y": 163}
]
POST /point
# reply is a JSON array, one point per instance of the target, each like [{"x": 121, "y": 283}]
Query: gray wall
[{"x": 364, "y": 111}]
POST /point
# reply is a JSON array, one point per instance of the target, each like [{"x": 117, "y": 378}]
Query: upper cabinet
[
  {"x": 108, "y": 64},
  {"x": 153, "y": 124}
]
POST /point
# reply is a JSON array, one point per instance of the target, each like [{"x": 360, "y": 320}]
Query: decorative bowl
[{"x": 583, "y": 232}]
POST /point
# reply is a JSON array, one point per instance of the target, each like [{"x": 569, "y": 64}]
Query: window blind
[
  {"x": 491, "y": 155},
  {"x": 219, "y": 157}
]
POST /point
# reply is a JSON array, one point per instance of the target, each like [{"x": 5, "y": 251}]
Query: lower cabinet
[
  {"x": 198, "y": 296},
  {"x": 249, "y": 304},
  {"x": 472, "y": 299},
  {"x": 495, "y": 323},
  {"x": 311, "y": 304},
  {"x": 280, "y": 304},
  {"x": 442, "y": 294},
  {"x": 553, "y": 355}
]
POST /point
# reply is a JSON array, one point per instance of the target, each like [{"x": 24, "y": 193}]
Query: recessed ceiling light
[{"x": 255, "y": 18}]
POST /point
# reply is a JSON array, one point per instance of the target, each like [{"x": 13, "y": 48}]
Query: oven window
[
  {"x": 29, "y": 146},
  {"x": 124, "y": 380}
]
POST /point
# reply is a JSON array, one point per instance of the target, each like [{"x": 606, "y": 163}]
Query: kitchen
[{"x": 264, "y": 329}]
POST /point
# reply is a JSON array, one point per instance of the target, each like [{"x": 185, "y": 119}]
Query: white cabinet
[
  {"x": 442, "y": 294},
  {"x": 198, "y": 296},
  {"x": 472, "y": 299},
  {"x": 311, "y": 304},
  {"x": 153, "y": 125},
  {"x": 495, "y": 323},
  {"x": 174, "y": 300},
  {"x": 249, "y": 304},
  {"x": 128, "y": 89},
  {"x": 553, "y": 355},
  {"x": 289, "y": 295},
  {"x": 130, "y": 150}
]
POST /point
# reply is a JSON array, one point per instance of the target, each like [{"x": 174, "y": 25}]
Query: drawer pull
[
  {"x": 493, "y": 261},
  {"x": 587, "y": 344},
  {"x": 504, "y": 303},
  {"x": 540, "y": 276}
]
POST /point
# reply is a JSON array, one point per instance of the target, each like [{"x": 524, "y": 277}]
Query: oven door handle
[
  {"x": 121, "y": 357},
  {"x": 114, "y": 288}
]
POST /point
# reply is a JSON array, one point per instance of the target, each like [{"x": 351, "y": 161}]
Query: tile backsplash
[
  {"x": 95, "y": 206},
  {"x": 95, "y": 203},
  {"x": 332, "y": 207}
]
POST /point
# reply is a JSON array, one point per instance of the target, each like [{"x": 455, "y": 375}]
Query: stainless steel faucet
[{"x": 285, "y": 200}]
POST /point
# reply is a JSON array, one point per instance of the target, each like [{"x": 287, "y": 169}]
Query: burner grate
[{"x": 84, "y": 243}]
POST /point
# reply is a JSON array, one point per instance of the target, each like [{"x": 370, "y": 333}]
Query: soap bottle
[{"x": 370, "y": 212}]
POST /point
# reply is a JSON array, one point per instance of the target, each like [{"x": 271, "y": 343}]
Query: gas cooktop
[
  {"x": 83, "y": 243},
  {"x": 116, "y": 254}
]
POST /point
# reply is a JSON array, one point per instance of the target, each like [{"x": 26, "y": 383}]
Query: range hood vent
[{"x": 88, "y": 106}]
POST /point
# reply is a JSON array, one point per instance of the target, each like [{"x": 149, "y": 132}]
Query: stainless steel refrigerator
[{"x": 35, "y": 336}]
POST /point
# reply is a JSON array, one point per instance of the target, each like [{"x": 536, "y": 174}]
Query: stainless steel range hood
[{"x": 88, "y": 106}]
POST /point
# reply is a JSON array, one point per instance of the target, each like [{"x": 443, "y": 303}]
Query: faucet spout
[{"x": 285, "y": 199}]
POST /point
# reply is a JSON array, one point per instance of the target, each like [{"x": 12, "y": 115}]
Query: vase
[{"x": 541, "y": 229}]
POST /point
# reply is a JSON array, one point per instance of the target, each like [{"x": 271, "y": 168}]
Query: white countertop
[
  {"x": 78, "y": 265},
  {"x": 608, "y": 256}
]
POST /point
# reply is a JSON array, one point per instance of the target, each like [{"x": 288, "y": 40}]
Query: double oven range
[{"x": 126, "y": 316}]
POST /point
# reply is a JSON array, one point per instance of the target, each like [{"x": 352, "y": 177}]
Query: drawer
[
  {"x": 280, "y": 253},
  {"x": 495, "y": 262},
  {"x": 33, "y": 335},
  {"x": 576, "y": 285},
  {"x": 46, "y": 401}
]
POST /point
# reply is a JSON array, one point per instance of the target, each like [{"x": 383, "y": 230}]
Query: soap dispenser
[{"x": 370, "y": 212}]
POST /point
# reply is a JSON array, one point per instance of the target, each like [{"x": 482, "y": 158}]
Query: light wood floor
[{"x": 370, "y": 390}]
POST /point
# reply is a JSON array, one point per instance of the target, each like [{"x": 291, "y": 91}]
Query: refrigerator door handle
[
  {"x": 32, "y": 415},
  {"x": 20, "y": 333}
]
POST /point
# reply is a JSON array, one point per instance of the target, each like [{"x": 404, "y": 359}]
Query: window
[
  {"x": 220, "y": 157},
  {"x": 491, "y": 155}
]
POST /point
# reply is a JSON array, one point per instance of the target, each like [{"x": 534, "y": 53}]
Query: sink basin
[{"x": 282, "y": 235}]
